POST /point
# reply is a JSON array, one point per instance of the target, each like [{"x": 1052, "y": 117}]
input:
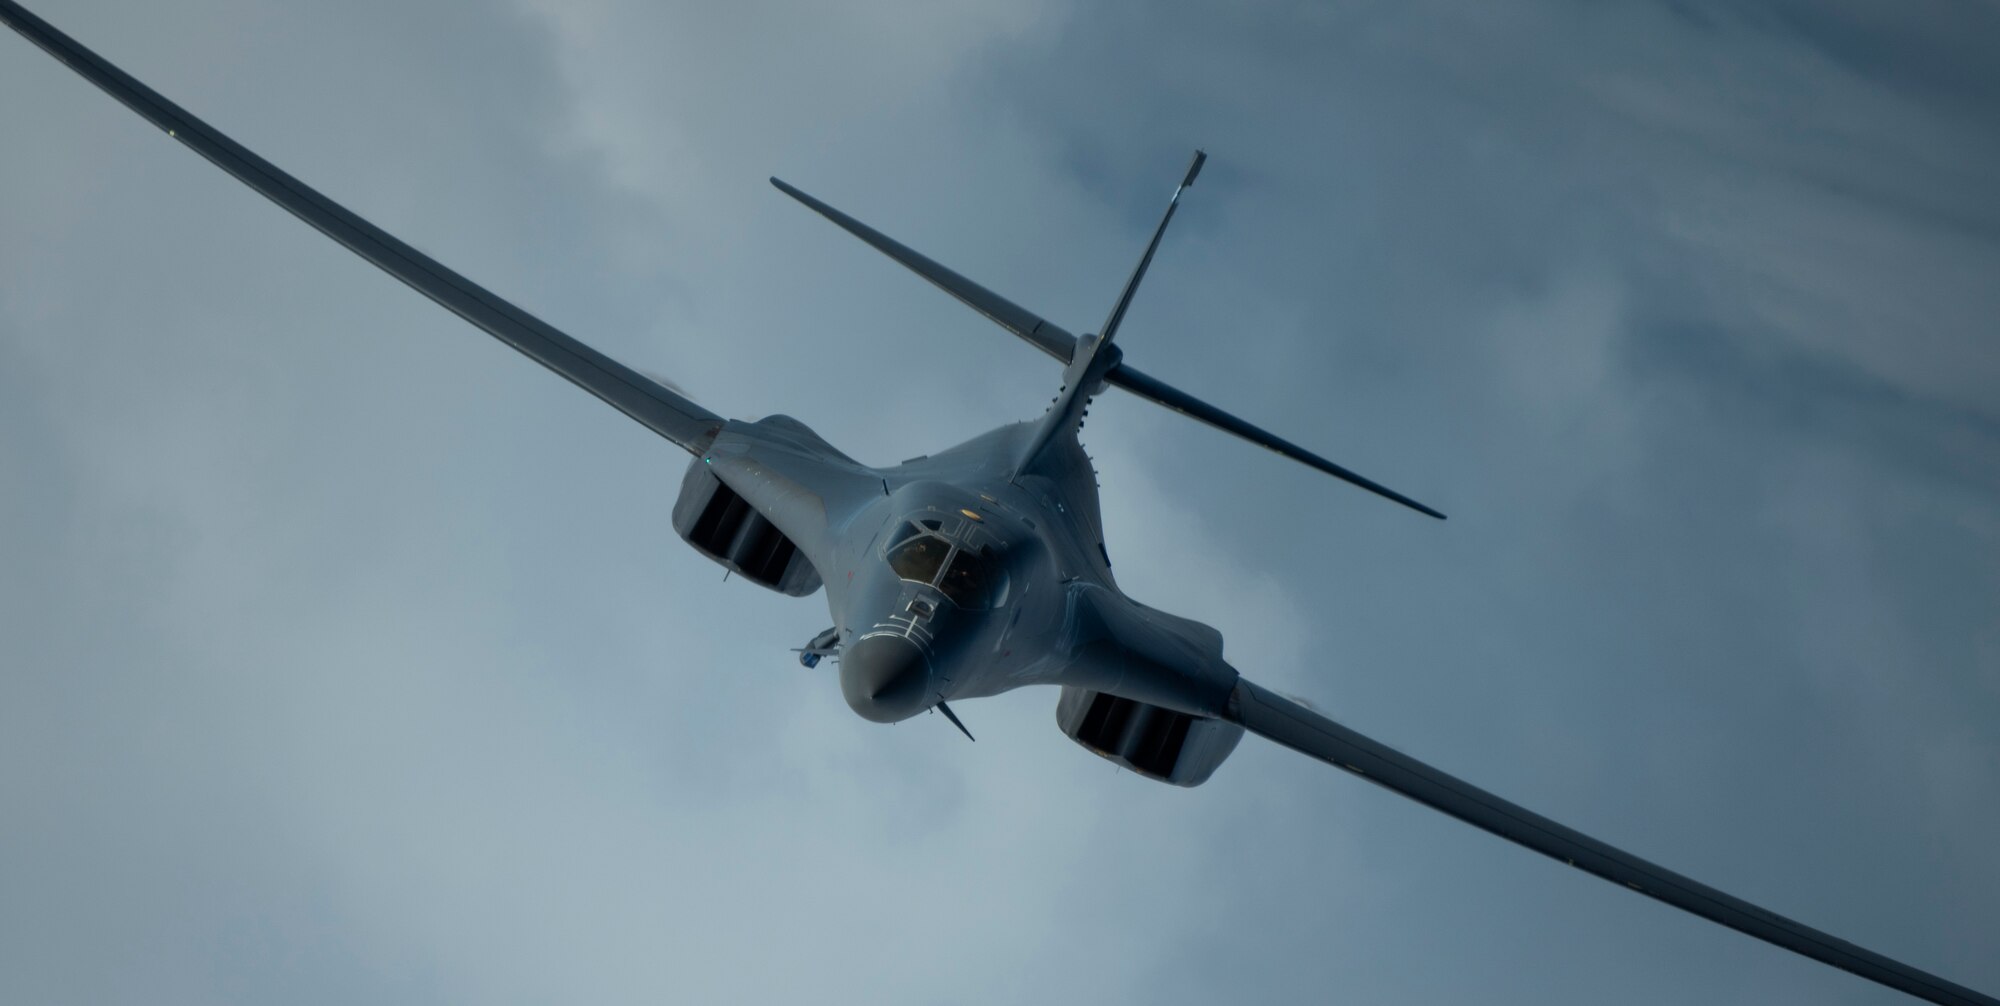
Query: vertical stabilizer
[
  {"x": 1117, "y": 315},
  {"x": 1090, "y": 362},
  {"x": 1095, "y": 356}
]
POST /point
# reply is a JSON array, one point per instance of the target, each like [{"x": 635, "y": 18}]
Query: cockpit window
[
  {"x": 969, "y": 576},
  {"x": 919, "y": 558},
  {"x": 972, "y": 581}
]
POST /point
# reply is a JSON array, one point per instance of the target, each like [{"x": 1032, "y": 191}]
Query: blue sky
[{"x": 346, "y": 655}]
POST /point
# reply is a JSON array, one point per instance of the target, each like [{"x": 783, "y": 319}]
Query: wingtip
[{"x": 1418, "y": 507}]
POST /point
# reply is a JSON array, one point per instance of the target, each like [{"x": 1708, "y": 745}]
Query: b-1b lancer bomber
[{"x": 980, "y": 568}]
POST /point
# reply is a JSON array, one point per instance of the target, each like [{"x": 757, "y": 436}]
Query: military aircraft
[{"x": 981, "y": 568}]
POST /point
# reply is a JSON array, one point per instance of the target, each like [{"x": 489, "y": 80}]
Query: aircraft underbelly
[{"x": 766, "y": 499}]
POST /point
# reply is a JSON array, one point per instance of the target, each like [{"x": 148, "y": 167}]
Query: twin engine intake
[
  {"x": 1157, "y": 743},
  {"x": 723, "y": 526}
]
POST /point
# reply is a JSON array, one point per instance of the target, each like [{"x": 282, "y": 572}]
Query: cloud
[{"x": 345, "y": 652}]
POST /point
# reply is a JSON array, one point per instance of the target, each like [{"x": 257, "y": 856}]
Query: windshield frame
[
  {"x": 919, "y": 558},
  {"x": 970, "y": 577}
]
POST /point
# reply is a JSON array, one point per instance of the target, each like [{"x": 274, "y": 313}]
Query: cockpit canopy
[{"x": 969, "y": 577}]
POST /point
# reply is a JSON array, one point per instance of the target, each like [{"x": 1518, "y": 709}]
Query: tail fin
[
  {"x": 1117, "y": 315},
  {"x": 1095, "y": 356},
  {"x": 1091, "y": 361}
]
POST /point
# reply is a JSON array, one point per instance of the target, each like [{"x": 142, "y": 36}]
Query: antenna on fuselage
[{"x": 953, "y": 717}]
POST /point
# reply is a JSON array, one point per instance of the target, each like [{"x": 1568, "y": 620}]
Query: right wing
[
  {"x": 655, "y": 407},
  {"x": 1268, "y": 714}
]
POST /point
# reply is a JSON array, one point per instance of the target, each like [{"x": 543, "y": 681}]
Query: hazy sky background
[{"x": 346, "y": 656}]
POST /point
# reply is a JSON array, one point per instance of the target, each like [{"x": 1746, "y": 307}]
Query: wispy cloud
[{"x": 347, "y": 655}]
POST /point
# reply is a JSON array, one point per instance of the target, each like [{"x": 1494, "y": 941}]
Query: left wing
[
  {"x": 642, "y": 398},
  {"x": 1268, "y": 714}
]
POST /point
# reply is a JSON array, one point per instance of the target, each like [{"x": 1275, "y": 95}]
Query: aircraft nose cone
[{"x": 884, "y": 678}]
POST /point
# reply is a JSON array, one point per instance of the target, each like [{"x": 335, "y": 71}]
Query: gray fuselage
[{"x": 950, "y": 576}]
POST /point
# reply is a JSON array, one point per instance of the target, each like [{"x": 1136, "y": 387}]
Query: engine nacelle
[
  {"x": 1157, "y": 743},
  {"x": 723, "y": 526}
]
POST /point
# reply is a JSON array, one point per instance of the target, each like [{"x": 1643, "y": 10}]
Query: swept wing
[
  {"x": 644, "y": 399},
  {"x": 1271, "y": 715}
]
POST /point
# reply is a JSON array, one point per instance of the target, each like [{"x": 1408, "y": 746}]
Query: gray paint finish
[{"x": 1275, "y": 935}]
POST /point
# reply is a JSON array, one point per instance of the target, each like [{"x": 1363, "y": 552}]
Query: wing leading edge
[
  {"x": 646, "y": 400},
  {"x": 1270, "y": 715}
]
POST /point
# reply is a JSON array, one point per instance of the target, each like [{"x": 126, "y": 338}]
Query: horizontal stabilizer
[
  {"x": 1180, "y": 401},
  {"x": 1031, "y": 327},
  {"x": 1052, "y": 339}
]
